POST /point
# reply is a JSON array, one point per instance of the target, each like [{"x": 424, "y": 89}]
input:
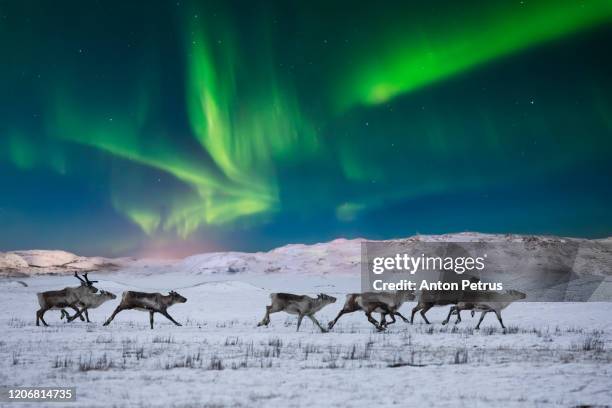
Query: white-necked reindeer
[
  {"x": 67, "y": 297},
  {"x": 300, "y": 305},
  {"x": 485, "y": 302},
  {"x": 148, "y": 302},
  {"x": 90, "y": 301},
  {"x": 385, "y": 303}
]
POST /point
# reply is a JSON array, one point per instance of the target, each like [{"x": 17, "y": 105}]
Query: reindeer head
[
  {"x": 108, "y": 295},
  {"x": 176, "y": 298},
  {"x": 326, "y": 299},
  {"x": 86, "y": 283},
  {"x": 515, "y": 294}
]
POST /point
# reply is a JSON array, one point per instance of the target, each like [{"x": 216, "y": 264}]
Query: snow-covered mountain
[
  {"x": 340, "y": 256},
  {"x": 38, "y": 261},
  {"x": 343, "y": 256}
]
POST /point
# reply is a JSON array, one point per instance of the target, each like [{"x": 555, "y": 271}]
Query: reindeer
[
  {"x": 430, "y": 298},
  {"x": 67, "y": 297},
  {"x": 384, "y": 303},
  {"x": 148, "y": 302},
  {"x": 485, "y": 302},
  {"x": 300, "y": 305},
  {"x": 91, "y": 301}
]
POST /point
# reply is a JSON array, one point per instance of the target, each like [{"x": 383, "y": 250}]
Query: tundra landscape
[
  {"x": 549, "y": 354},
  {"x": 212, "y": 203}
]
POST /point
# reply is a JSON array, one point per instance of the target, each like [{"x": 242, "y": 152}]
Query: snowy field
[{"x": 550, "y": 354}]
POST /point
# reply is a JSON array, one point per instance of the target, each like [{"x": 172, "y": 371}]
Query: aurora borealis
[{"x": 182, "y": 126}]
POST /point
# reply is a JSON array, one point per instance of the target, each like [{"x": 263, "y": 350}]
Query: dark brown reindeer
[
  {"x": 148, "y": 302},
  {"x": 300, "y": 305},
  {"x": 385, "y": 303},
  {"x": 67, "y": 297},
  {"x": 485, "y": 302}
]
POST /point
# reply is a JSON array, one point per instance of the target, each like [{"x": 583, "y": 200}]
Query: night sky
[{"x": 169, "y": 128}]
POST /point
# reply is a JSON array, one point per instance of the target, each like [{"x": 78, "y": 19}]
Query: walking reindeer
[
  {"x": 300, "y": 305},
  {"x": 148, "y": 302},
  {"x": 69, "y": 297}
]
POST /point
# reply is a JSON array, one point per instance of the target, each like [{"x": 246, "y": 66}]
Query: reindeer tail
[{"x": 41, "y": 300}]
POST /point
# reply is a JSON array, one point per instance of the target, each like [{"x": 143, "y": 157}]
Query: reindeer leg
[
  {"x": 368, "y": 313},
  {"x": 331, "y": 324},
  {"x": 266, "y": 320},
  {"x": 315, "y": 321},
  {"x": 300, "y": 317},
  {"x": 450, "y": 313},
  {"x": 110, "y": 319},
  {"x": 458, "y": 317},
  {"x": 151, "y": 313},
  {"x": 414, "y": 310},
  {"x": 400, "y": 315},
  {"x": 42, "y": 319},
  {"x": 386, "y": 311},
  {"x": 78, "y": 314},
  {"x": 482, "y": 315},
  {"x": 498, "y": 314},
  {"x": 392, "y": 315},
  {"x": 269, "y": 310},
  {"x": 170, "y": 318},
  {"x": 86, "y": 316},
  {"x": 423, "y": 311},
  {"x": 76, "y": 310},
  {"x": 39, "y": 315},
  {"x": 69, "y": 318},
  {"x": 383, "y": 319},
  {"x": 373, "y": 321},
  {"x": 64, "y": 314}
]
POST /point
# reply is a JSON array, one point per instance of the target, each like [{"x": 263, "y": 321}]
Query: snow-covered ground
[{"x": 553, "y": 354}]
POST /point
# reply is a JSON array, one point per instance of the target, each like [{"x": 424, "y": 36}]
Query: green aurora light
[
  {"x": 248, "y": 136},
  {"x": 423, "y": 53}
]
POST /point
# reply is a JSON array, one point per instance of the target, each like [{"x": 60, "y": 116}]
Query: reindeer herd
[{"x": 86, "y": 296}]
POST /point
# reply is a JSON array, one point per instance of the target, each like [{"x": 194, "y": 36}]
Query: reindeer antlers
[{"x": 86, "y": 281}]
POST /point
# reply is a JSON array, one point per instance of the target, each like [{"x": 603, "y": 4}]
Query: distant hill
[{"x": 340, "y": 256}]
